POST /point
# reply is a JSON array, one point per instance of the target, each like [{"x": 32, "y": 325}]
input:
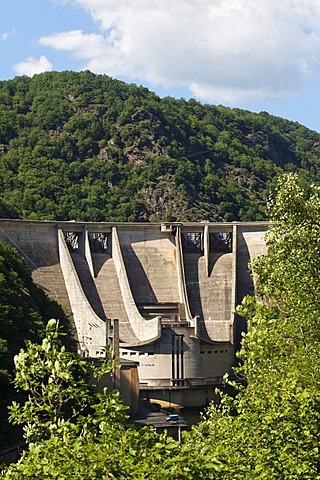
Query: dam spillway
[{"x": 172, "y": 286}]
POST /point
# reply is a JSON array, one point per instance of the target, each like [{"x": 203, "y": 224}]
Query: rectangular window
[
  {"x": 99, "y": 242},
  {"x": 192, "y": 242},
  {"x": 220, "y": 242}
]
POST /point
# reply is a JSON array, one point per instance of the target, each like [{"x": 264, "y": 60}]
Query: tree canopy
[
  {"x": 76, "y": 431},
  {"x": 79, "y": 146},
  {"x": 273, "y": 432}
]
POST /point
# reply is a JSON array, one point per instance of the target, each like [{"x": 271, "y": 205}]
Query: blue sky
[{"x": 252, "y": 54}]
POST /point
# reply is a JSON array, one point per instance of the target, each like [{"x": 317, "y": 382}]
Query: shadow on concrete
[
  {"x": 88, "y": 285},
  {"x": 244, "y": 287},
  {"x": 99, "y": 259},
  {"x": 141, "y": 288}
]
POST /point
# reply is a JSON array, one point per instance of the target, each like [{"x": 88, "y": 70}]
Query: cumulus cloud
[
  {"x": 222, "y": 50},
  {"x": 31, "y": 66}
]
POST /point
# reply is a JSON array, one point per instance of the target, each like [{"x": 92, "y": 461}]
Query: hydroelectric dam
[{"x": 173, "y": 288}]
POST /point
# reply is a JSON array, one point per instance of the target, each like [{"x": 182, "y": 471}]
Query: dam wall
[
  {"x": 37, "y": 243},
  {"x": 173, "y": 287}
]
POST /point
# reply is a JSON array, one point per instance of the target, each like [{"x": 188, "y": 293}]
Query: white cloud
[
  {"x": 6, "y": 35},
  {"x": 31, "y": 66},
  {"x": 222, "y": 50}
]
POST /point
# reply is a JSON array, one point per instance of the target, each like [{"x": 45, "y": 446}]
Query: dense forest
[{"x": 88, "y": 147}]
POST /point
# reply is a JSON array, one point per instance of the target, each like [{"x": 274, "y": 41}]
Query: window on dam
[
  {"x": 99, "y": 242},
  {"x": 220, "y": 242},
  {"x": 72, "y": 240},
  {"x": 192, "y": 242}
]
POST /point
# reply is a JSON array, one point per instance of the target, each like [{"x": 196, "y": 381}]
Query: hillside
[{"x": 87, "y": 147}]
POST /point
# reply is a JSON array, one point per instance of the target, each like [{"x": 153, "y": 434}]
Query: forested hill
[{"x": 87, "y": 147}]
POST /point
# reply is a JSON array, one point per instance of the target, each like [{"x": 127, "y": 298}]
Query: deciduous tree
[{"x": 271, "y": 430}]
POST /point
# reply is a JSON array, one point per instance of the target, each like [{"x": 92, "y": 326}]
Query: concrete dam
[{"x": 173, "y": 288}]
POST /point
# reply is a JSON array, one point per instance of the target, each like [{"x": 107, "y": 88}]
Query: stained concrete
[{"x": 172, "y": 290}]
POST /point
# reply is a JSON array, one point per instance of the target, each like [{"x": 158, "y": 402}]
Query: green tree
[
  {"x": 57, "y": 384},
  {"x": 271, "y": 430},
  {"x": 24, "y": 310},
  {"x": 126, "y": 138},
  {"x": 76, "y": 431}
]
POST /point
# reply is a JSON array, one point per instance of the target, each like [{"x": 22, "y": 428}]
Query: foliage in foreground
[
  {"x": 24, "y": 311},
  {"x": 75, "y": 431},
  {"x": 275, "y": 433}
]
